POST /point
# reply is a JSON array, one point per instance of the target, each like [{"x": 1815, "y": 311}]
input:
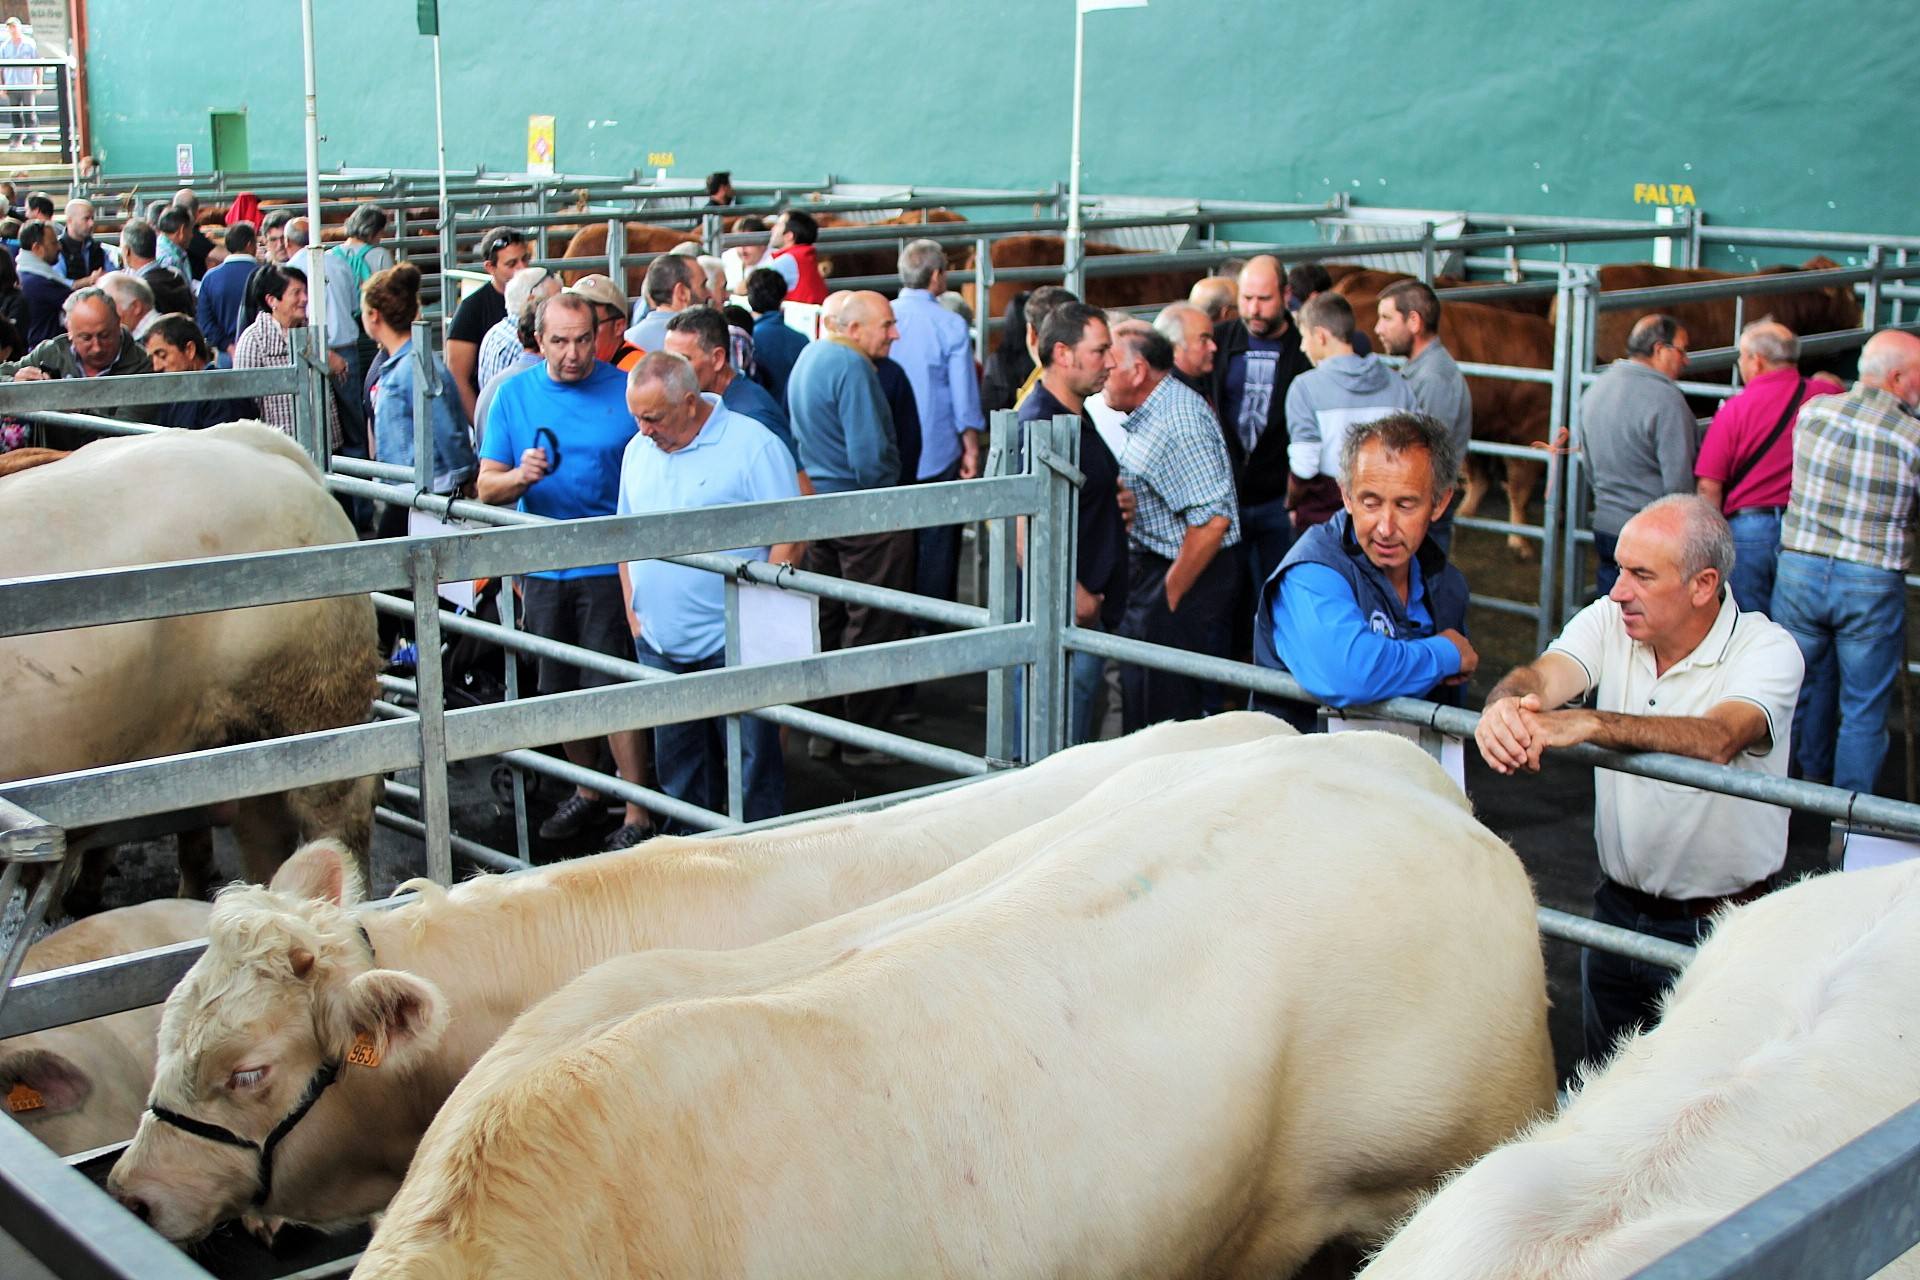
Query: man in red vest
[{"x": 794, "y": 258}]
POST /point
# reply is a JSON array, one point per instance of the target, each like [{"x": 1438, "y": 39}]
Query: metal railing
[{"x": 37, "y": 116}]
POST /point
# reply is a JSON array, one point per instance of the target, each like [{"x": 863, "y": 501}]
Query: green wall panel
[{"x": 1766, "y": 112}]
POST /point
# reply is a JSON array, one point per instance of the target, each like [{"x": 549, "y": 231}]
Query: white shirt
[{"x": 1661, "y": 837}]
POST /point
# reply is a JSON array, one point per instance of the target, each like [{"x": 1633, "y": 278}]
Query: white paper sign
[
  {"x": 1863, "y": 850},
  {"x": 777, "y": 625},
  {"x": 183, "y": 159},
  {"x": 422, "y": 525},
  {"x": 1449, "y": 751}
]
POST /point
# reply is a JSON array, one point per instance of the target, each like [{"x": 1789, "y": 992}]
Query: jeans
[
  {"x": 1606, "y": 570},
  {"x": 1617, "y": 994},
  {"x": 691, "y": 758},
  {"x": 1849, "y": 620},
  {"x": 1266, "y": 532},
  {"x": 1756, "y": 550},
  {"x": 936, "y": 569}
]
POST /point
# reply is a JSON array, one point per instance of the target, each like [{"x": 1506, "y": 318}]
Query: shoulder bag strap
[{"x": 1747, "y": 463}]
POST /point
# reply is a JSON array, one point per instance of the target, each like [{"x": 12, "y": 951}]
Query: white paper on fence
[
  {"x": 1453, "y": 754},
  {"x": 422, "y": 525},
  {"x": 803, "y": 317},
  {"x": 777, "y": 625},
  {"x": 1863, "y": 851}
]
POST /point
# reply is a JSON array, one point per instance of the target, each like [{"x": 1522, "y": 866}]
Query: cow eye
[{"x": 246, "y": 1078}]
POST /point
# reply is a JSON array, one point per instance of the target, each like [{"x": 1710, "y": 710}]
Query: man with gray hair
[
  {"x": 133, "y": 300},
  {"x": 1637, "y": 434},
  {"x": 1190, "y": 331},
  {"x": 1365, "y": 605},
  {"x": 139, "y": 254},
  {"x": 936, "y": 350},
  {"x": 1745, "y": 467},
  {"x": 1846, "y": 546},
  {"x": 1673, "y": 665},
  {"x": 693, "y": 451}
]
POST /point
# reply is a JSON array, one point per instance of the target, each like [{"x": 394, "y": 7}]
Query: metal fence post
[
  {"x": 616, "y": 251},
  {"x": 1054, "y": 452},
  {"x": 312, "y": 401},
  {"x": 1074, "y": 264},
  {"x": 736, "y": 746},
  {"x": 431, "y": 706},
  {"x": 982, "y": 298},
  {"x": 1580, "y": 356},
  {"x": 1551, "y": 530},
  {"x": 540, "y": 221},
  {"x": 426, "y": 386},
  {"x": 1426, "y": 252},
  {"x": 1870, "y": 310},
  {"x": 1002, "y": 592},
  {"x": 509, "y": 610}
]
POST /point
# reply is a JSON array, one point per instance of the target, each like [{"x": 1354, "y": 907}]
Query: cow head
[{"x": 286, "y": 996}]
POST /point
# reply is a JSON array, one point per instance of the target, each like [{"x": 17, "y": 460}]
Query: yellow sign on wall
[
  {"x": 1666, "y": 193},
  {"x": 540, "y": 144},
  {"x": 659, "y": 159}
]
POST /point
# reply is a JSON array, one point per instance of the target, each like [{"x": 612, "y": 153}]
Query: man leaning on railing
[{"x": 1673, "y": 666}]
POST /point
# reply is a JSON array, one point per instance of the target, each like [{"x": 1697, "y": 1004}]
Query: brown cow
[
  {"x": 1503, "y": 410},
  {"x": 642, "y": 237},
  {"x": 1144, "y": 289},
  {"x": 1710, "y": 324},
  {"x": 849, "y": 263}
]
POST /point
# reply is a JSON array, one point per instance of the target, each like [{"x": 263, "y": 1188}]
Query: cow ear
[
  {"x": 386, "y": 1018},
  {"x": 322, "y": 871},
  {"x": 41, "y": 1082}
]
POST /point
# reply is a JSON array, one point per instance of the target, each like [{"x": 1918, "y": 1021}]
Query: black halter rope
[{"x": 323, "y": 1075}]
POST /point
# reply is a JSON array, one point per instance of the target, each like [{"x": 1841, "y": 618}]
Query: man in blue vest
[{"x": 1365, "y": 606}]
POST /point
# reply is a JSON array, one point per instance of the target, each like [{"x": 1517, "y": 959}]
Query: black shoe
[
  {"x": 628, "y": 836},
  {"x": 577, "y": 813}
]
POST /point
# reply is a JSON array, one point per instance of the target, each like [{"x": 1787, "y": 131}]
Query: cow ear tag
[
  {"x": 364, "y": 1052},
  {"x": 24, "y": 1097}
]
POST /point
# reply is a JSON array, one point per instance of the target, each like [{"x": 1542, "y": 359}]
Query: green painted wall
[{"x": 1786, "y": 115}]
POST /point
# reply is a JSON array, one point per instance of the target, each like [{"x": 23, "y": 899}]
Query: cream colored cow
[
  {"x": 84, "y": 1085},
  {"x": 1794, "y": 1031},
  {"x": 1233, "y": 1005},
  {"x": 290, "y": 980}
]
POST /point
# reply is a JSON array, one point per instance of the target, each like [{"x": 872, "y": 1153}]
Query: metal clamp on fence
[{"x": 35, "y": 853}]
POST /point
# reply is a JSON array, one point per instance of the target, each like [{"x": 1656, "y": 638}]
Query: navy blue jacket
[
  {"x": 221, "y": 293},
  {"x": 1332, "y": 544},
  {"x": 776, "y": 345},
  {"x": 44, "y": 298}
]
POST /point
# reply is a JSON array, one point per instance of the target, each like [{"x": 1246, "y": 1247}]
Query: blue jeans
[
  {"x": 936, "y": 570},
  {"x": 691, "y": 758},
  {"x": 1266, "y": 532},
  {"x": 1849, "y": 620},
  {"x": 1756, "y": 550}
]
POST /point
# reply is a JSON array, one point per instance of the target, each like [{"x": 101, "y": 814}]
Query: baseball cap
[{"x": 599, "y": 290}]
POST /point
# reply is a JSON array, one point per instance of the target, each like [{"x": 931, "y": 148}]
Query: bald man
[
  {"x": 1745, "y": 467},
  {"x": 1845, "y": 547},
  {"x": 1257, "y": 357},
  {"x": 845, "y": 434},
  {"x": 1217, "y": 296},
  {"x": 83, "y": 260}
]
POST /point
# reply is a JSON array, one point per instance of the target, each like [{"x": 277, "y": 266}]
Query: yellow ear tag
[
  {"x": 24, "y": 1097},
  {"x": 364, "y": 1052}
]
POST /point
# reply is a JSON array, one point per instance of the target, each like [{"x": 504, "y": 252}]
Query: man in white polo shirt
[
  {"x": 1676, "y": 667},
  {"x": 691, "y": 451}
]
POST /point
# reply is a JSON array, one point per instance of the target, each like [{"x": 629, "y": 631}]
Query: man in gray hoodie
[
  {"x": 1638, "y": 435},
  {"x": 1342, "y": 391}
]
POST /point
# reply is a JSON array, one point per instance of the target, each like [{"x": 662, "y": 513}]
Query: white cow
[
  {"x": 105, "y": 695},
  {"x": 289, "y": 979},
  {"x": 84, "y": 1085},
  {"x": 1232, "y": 1006},
  {"x": 1794, "y": 1031}
]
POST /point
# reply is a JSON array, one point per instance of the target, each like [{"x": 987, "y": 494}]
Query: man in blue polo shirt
[
  {"x": 1365, "y": 605},
  {"x": 555, "y": 435},
  {"x": 692, "y": 451}
]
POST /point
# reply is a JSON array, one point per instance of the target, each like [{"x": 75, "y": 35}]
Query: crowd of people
[{"x": 1256, "y": 481}]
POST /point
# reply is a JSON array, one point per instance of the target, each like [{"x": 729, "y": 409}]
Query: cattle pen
[{"x": 1852, "y": 1212}]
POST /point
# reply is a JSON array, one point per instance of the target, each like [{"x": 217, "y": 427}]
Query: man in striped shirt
[
  {"x": 1845, "y": 546},
  {"x": 1180, "y": 588}
]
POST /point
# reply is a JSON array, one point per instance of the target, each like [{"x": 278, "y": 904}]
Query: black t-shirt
[
  {"x": 1101, "y": 563},
  {"x": 479, "y": 311}
]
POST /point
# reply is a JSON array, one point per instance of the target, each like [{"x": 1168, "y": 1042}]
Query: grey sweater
[{"x": 1639, "y": 439}]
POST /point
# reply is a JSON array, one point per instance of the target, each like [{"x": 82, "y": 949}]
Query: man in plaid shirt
[
  {"x": 1845, "y": 546},
  {"x": 1180, "y": 588}
]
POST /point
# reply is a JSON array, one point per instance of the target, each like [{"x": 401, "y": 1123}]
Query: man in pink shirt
[{"x": 1745, "y": 465}]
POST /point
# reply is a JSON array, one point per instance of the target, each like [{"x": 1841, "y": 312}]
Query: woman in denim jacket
[{"x": 389, "y": 304}]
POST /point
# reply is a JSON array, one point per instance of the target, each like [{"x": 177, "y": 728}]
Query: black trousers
[
  {"x": 1202, "y": 624},
  {"x": 880, "y": 560}
]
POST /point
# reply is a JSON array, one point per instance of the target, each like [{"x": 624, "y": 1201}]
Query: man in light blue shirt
[
  {"x": 692, "y": 451},
  {"x": 936, "y": 351}
]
